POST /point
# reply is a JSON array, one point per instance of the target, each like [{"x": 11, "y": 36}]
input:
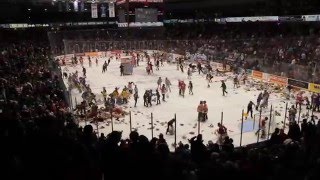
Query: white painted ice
[{"x": 184, "y": 108}]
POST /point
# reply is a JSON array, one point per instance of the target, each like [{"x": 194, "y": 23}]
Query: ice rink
[{"x": 184, "y": 108}]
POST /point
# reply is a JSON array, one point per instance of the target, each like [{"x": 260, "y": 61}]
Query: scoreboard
[{"x": 139, "y": 13}]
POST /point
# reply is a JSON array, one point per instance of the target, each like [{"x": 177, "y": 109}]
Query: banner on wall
[
  {"x": 111, "y": 10},
  {"x": 92, "y": 54},
  {"x": 76, "y": 5},
  {"x": 257, "y": 74},
  {"x": 82, "y": 6},
  {"x": 103, "y": 10},
  {"x": 314, "y": 87},
  {"x": 265, "y": 76},
  {"x": 308, "y": 18},
  {"x": 80, "y": 54},
  {"x": 278, "y": 80},
  {"x": 94, "y": 10},
  {"x": 67, "y": 7},
  {"x": 297, "y": 83}
]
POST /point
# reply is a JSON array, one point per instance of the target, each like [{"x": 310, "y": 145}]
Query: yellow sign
[{"x": 314, "y": 87}]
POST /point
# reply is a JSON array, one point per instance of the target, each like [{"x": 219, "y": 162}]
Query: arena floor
[{"x": 185, "y": 108}]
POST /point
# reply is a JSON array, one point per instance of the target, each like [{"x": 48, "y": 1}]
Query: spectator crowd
[{"x": 41, "y": 140}]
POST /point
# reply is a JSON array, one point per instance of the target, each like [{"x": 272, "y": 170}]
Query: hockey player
[
  {"x": 236, "y": 82},
  {"x": 262, "y": 127},
  {"x": 157, "y": 65},
  {"x": 135, "y": 96},
  {"x": 130, "y": 84},
  {"x": 244, "y": 78},
  {"x": 249, "y": 109},
  {"x": 149, "y": 98},
  {"x": 158, "y": 97},
  {"x": 190, "y": 87},
  {"x": 260, "y": 96},
  {"x": 224, "y": 87},
  {"x": 90, "y": 62},
  {"x": 161, "y": 61},
  {"x": 163, "y": 92},
  {"x": 209, "y": 79},
  {"x": 292, "y": 113},
  {"x": 205, "y": 111},
  {"x": 136, "y": 89},
  {"x": 222, "y": 133},
  {"x": 183, "y": 88},
  {"x": 63, "y": 61},
  {"x": 81, "y": 61},
  {"x": 200, "y": 111},
  {"x": 189, "y": 72},
  {"x": 84, "y": 71},
  {"x": 115, "y": 93},
  {"x": 104, "y": 94},
  {"x": 170, "y": 126},
  {"x": 265, "y": 98},
  {"x": 104, "y": 67},
  {"x": 181, "y": 67},
  {"x": 168, "y": 84},
  {"x": 317, "y": 103},
  {"x": 148, "y": 69},
  {"x": 199, "y": 67},
  {"x": 179, "y": 86},
  {"x": 151, "y": 67},
  {"x": 125, "y": 95},
  {"x": 121, "y": 70},
  {"x": 96, "y": 61},
  {"x": 159, "y": 82},
  {"x": 145, "y": 98}
]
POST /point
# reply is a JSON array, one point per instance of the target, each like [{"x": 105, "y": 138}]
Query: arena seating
[{"x": 40, "y": 140}]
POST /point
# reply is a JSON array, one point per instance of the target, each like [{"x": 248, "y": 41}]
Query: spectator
[
  {"x": 198, "y": 149},
  {"x": 275, "y": 137},
  {"x": 294, "y": 132}
]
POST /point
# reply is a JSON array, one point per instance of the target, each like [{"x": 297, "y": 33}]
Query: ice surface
[{"x": 184, "y": 108}]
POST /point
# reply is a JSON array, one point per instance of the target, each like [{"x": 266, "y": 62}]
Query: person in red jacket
[
  {"x": 179, "y": 86},
  {"x": 200, "y": 111},
  {"x": 262, "y": 127},
  {"x": 222, "y": 133},
  {"x": 205, "y": 111}
]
